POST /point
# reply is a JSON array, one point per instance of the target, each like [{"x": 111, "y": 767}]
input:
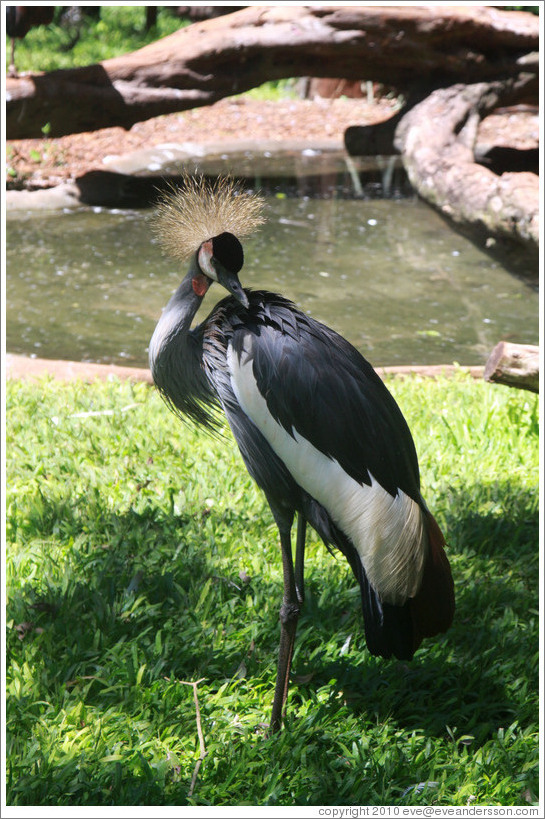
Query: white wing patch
[{"x": 387, "y": 532}]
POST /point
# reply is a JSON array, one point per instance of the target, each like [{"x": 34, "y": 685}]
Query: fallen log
[
  {"x": 200, "y": 64},
  {"x": 516, "y": 365},
  {"x": 437, "y": 141}
]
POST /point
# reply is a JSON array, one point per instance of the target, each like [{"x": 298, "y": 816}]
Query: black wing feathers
[
  {"x": 316, "y": 382},
  {"x": 319, "y": 386}
]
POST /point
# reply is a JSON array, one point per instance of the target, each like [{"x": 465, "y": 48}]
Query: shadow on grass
[
  {"x": 116, "y": 582},
  {"x": 116, "y": 590},
  {"x": 460, "y": 679}
]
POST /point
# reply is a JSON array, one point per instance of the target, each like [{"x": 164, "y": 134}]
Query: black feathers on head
[{"x": 227, "y": 249}]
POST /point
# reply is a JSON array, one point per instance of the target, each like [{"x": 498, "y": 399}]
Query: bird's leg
[
  {"x": 12, "y": 71},
  {"x": 300, "y": 558},
  {"x": 289, "y": 614}
]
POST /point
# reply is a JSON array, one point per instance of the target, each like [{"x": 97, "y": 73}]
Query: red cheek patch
[{"x": 200, "y": 284}]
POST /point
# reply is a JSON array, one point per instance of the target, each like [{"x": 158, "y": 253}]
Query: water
[{"x": 89, "y": 285}]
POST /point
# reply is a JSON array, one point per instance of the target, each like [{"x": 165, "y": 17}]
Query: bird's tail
[
  {"x": 389, "y": 629},
  {"x": 432, "y": 608},
  {"x": 399, "y": 630}
]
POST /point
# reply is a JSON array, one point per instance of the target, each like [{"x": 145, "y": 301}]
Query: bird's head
[
  {"x": 220, "y": 259},
  {"x": 202, "y": 221}
]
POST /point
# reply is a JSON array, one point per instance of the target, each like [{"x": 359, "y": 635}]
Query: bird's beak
[{"x": 230, "y": 281}]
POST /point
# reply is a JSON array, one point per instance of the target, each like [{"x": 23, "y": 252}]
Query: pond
[{"x": 389, "y": 274}]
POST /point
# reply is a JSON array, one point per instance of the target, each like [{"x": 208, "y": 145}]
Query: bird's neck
[
  {"x": 175, "y": 322},
  {"x": 176, "y": 353}
]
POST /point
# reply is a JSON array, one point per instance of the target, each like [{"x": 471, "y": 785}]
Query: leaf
[
  {"x": 420, "y": 786},
  {"x": 346, "y": 645}
]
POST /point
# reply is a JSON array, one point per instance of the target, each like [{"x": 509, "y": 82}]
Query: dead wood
[
  {"x": 516, "y": 365},
  {"x": 437, "y": 141},
  {"x": 439, "y": 45}
]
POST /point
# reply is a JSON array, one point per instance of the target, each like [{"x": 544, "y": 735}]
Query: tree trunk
[
  {"x": 440, "y": 45},
  {"x": 516, "y": 365}
]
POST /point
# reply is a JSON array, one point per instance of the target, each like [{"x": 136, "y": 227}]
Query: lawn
[
  {"x": 119, "y": 30},
  {"x": 144, "y": 579}
]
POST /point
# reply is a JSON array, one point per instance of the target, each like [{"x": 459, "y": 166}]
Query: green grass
[
  {"x": 119, "y": 30},
  {"x": 141, "y": 556}
]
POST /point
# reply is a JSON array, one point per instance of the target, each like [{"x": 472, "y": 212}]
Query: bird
[
  {"x": 19, "y": 21},
  {"x": 316, "y": 426}
]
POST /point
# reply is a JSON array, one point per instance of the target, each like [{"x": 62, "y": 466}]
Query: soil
[
  {"x": 39, "y": 163},
  {"x": 43, "y": 163}
]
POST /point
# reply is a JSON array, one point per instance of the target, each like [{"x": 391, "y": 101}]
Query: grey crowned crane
[{"x": 316, "y": 427}]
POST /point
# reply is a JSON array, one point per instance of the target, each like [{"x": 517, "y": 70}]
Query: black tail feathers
[{"x": 399, "y": 630}]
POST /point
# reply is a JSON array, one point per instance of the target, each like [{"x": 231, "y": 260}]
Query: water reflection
[{"x": 387, "y": 274}]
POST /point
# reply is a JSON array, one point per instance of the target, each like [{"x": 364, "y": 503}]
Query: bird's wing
[
  {"x": 316, "y": 383},
  {"x": 329, "y": 419},
  {"x": 340, "y": 436}
]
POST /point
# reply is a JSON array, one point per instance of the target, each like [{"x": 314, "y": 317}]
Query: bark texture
[
  {"x": 437, "y": 140},
  {"x": 429, "y": 46},
  {"x": 516, "y": 365}
]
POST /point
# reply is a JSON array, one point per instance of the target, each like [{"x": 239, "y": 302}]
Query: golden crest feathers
[{"x": 201, "y": 209}]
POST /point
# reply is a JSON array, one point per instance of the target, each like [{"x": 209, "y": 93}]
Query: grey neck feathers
[
  {"x": 175, "y": 320},
  {"x": 175, "y": 357}
]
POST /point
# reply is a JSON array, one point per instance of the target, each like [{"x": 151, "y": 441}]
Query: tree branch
[
  {"x": 437, "y": 139},
  {"x": 216, "y": 58},
  {"x": 516, "y": 365}
]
